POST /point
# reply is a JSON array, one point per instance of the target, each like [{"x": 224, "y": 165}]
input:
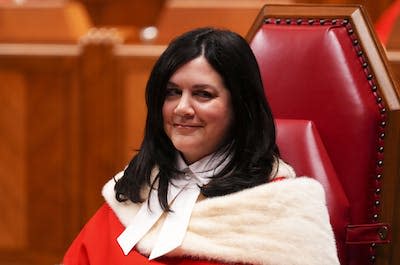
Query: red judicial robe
[
  {"x": 97, "y": 245},
  {"x": 278, "y": 223}
]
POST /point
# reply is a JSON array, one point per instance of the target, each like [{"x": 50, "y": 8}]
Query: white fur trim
[
  {"x": 281, "y": 169},
  {"x": 284, "y": 222}
]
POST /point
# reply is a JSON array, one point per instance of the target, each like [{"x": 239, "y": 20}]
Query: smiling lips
[{"x": 186, "y": 127}]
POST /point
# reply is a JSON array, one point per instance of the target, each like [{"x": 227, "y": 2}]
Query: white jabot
[{"x": 182, "y": 195}]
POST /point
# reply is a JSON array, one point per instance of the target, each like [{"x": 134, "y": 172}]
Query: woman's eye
[
  {"x": 204, "y": 94},
  {"x": 172, "y": 92}
]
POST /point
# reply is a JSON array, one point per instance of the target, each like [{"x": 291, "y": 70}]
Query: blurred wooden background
[{"x": 72, "y": 77}]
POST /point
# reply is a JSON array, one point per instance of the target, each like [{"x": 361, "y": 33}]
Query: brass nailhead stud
[{"x": 383, "y": 232}]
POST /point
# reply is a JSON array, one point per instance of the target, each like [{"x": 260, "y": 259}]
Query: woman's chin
[{"x": 189, "y": 153}]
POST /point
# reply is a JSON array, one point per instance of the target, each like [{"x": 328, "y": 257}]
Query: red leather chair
[{"x": 324, "y": 64}]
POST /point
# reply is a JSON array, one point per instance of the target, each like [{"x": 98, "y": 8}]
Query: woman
[{"x": 203, "y": 188}]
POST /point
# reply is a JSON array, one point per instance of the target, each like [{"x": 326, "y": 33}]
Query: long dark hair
[{"x": 252, "y": 144}]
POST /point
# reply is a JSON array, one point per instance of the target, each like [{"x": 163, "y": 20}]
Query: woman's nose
[{"x": 184, "y": 106}]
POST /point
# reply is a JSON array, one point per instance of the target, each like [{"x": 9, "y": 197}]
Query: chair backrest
[{"x": 323, "y": 63}]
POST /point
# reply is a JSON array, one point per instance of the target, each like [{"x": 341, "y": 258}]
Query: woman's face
[{"x": 197, "y": 110}]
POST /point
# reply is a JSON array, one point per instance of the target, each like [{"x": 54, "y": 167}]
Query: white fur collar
[{"x": 284, "y": 222}]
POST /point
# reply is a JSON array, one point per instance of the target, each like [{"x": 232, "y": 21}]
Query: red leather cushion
[{"x": 301, "y": 146}]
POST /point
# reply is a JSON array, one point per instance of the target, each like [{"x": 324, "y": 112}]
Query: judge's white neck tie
[{"x": 182, "y": 196}]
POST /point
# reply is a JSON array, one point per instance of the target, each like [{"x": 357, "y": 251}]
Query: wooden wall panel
[
  {"x": 47, "y": 125},
  {"x": 13, "y": 202},
  {"x": 101, "y": 116},
  {"x": 40, "y": 180},
  {"x": 61, "y": 140},
  {"x": 131, "y": 16},
  {"x": 394, "y": 39},
  {"x": 235, "y": 15},
  {"x": 145, "y": 13},
  {"x": 133, "y": 13},
  {"x": 134, "y": 66},
  {"x": 43, "y": 22},
  {"x": 394, "y": 59}
]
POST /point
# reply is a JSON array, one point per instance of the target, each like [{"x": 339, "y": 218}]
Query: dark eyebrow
[
  {"x": 203, "y": 86},
  {"x": 196, "y": 86},
  {"x": 199, "y": 86},
  {"x": 169, "y": 83}
]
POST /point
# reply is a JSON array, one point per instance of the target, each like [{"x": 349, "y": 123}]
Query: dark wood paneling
[
  {"x": 100, "y": 122},
  {"x": 234, "y": 15},
  {"x": 133, "y": 13},
  {"x": 40, "y": 172},
  {"x": 134, "y": 64},
  {"x": 13, "y": 202},
  {"x": 64, "y": 133},
  {"x": 394, "y": 59}
]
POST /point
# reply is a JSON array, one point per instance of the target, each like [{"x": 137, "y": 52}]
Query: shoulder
[
  {"x": 282, "y": 214},
  {"x": 291, "y": 194},
  {"x": 300, "y": 187},
  {"x": 104, "y": 219},
  {"x": 281, "y": 170},
  {"x": 89, "y": 241},
  {"x": 284, "y": 173},
  {"x": 125, "y": 211}
]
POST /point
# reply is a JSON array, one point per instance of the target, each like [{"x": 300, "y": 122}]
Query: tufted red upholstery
[
  {"x": 326, "y": 67},
  {"x": 316, "y": 66}
]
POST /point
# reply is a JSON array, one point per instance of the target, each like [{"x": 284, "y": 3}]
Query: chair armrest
[{"x": 301, "y": 146}]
